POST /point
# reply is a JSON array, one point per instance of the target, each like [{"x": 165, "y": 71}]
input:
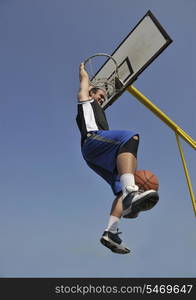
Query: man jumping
[{"x": 112, "y": 154}]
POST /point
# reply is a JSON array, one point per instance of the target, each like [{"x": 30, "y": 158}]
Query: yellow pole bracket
[
  {"x": 144, "y": 100},
  {"x": 178, "y": 131}
]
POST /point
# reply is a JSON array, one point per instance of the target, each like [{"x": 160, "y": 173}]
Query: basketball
[{"x": 146, "y": 180}]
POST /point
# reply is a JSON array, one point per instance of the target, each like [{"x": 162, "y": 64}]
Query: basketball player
[{"x": 112, "y": 154}]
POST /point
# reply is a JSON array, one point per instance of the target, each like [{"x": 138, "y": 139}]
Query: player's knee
[{"x": 131, "y": 146}]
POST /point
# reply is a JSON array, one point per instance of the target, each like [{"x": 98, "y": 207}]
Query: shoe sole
[
  {"x": 114, "y": 248},
  {"x": 146, "y": 203},
  {"x": 132, "y": 215}
]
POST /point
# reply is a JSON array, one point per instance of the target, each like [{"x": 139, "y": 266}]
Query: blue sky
[{"x": 53, "y": 207}]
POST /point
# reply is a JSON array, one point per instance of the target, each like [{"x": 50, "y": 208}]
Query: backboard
[{"x": 142, "y": 45}]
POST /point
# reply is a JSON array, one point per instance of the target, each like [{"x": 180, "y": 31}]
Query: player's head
[{"x": 98, "y": 94}]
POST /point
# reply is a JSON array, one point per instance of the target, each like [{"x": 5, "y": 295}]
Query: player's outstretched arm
[{"x": 83, "y": 93}]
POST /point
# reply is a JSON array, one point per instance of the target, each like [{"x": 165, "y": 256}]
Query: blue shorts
[{"x": 100, "y": 151}]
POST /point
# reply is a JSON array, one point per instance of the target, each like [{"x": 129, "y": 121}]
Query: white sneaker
[{"x": 139, "y": 201}]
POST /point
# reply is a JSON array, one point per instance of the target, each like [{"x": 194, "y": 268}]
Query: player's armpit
[{"x": 83, "y": 96}]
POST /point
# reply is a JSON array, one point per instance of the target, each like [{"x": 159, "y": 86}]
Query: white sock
[
  {"x": 113, "y": 224},
  {"x": 128, "y": 183}
]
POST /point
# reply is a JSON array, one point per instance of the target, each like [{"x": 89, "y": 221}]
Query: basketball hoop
[{"x": 110, "y": 85}]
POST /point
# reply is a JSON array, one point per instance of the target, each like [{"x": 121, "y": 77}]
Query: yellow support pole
[
  {"x": 186, "y": 173},
  {"x": 178, "y": 131},
  {"x": 144, "y": 100}
]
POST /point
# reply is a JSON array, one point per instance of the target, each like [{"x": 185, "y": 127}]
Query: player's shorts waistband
[
  {"x": 109, "y": 136},
  {"x": 89, "y": 134}
]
